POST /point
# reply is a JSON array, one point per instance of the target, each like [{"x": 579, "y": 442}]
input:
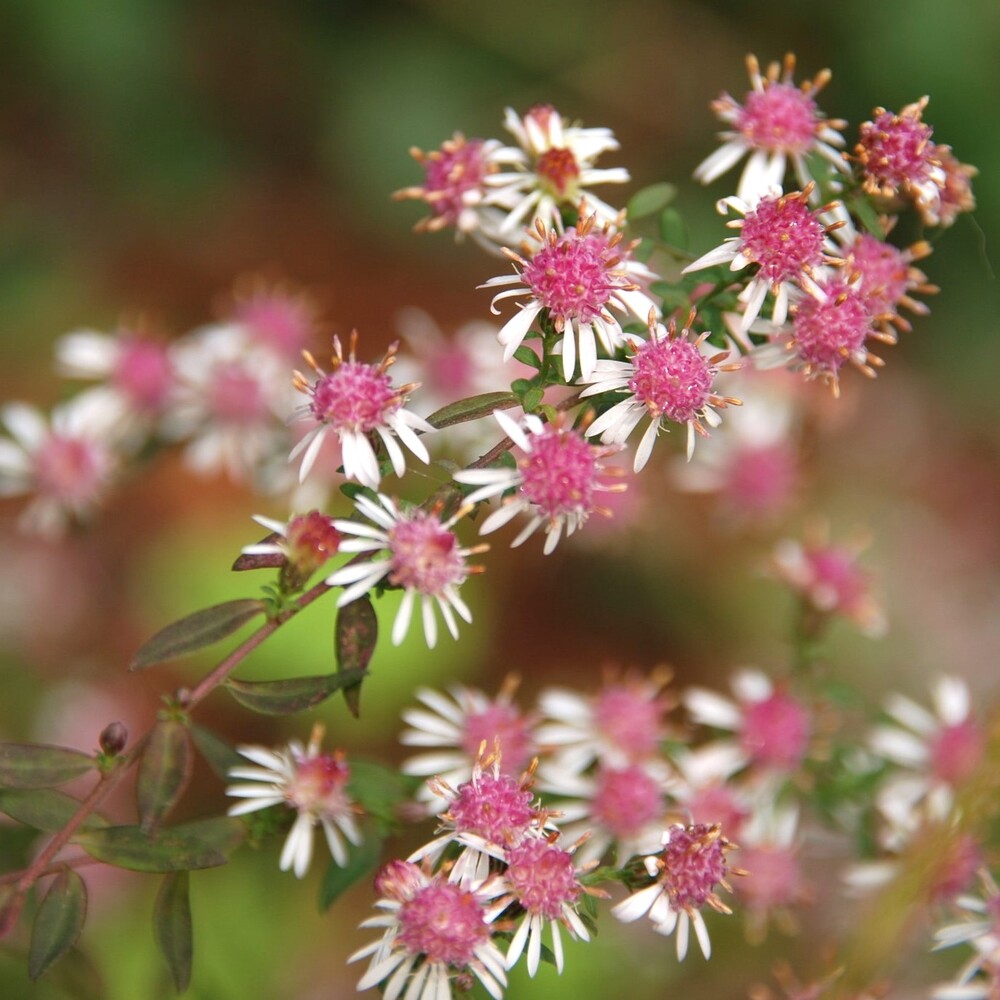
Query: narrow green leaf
[
  {"x": 362, "y": 860},
  {"x": 673, "y": 230},
  {"x": 58, "y": 922},
  {"x": 38, "y": 765},
  {"x": 172, "y": 927},
  {"x": 44, "y": 808},
  {"x": 203, "y": 844},
  {"x": 355, "y": 638},
  {"x": 295, "y": 694},
  {"x": 196, "y": 631},
  {"x": 471, "y": 409},
  {"x": 218, "y": 754},
  {"x": 164, "y": 772},
  {"x": 649, "y": 200}
]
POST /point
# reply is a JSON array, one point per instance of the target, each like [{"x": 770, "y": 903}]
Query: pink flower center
[
  {"x": 499, "y": 724},
  {"x": 896, "y": 150},
  {"x": 838, "y": 584},
  {"x": 235, "y": 396},
  {"x": 571, "y": 277},
  {"x": 70, "y": 469},
  {"x": 781, "y": 118},
  {"x": 672, "y": 379},
  {"x": 761, "y": 480},
  {"x": 318, "y": 784},
  {"x": 829, "y": 332},
  {"x": 542, "y": 877},
  {"x": 957, "y": 868},
  {"x": 398, "y": 880},
  {"x": 559, "y": 170},
  {"x": 443, "y": 922},
  {"x": 280, "y": 322},
  {"x": 496, "y": 808},
  {"x": 775, "y": 878},
  {"x": 455, "y": 170},
  {"x": 885, "y": 277},
  {"x": 717, "y": 804},
  {"x": 311, "y": 539},
  {"x": 425, "y": 555},
  {"x": 776, "y": 731},
  {"x": 142, "y": 372},
  {"x": 355, "y": 397},
  {"x": 559, "y": 473},
  {"x": 630, "y": 720},
  {"x": 694, "y": 863},
  {"x": 626, "y": 800},
  {"x": 956, "y": 751},
  {"x": 783, "y": 237}
]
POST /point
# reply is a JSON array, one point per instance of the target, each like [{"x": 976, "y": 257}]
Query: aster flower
[
  {"x": 312, "y": 783},
  {"x": 303, "y": 544},
  {"x": 622, "y": 724},
  {"x": 957, "y": 196},
  {"x": 555, "y": 480},
  {"x": 357, "y": 401},
  {"x": 783, "y": 238},
  {"x": 454, "y": 188},
  {"x": 66, "y": 460},
  {"x": 412, "y": 549},
  {"x": 576, "y": 278},
  {"x": 776, "y": 122},
  {"x": 687, "y": 870},
  {"x": 458, "y": 723},
  {"x": 938, "y": 751},
  {"x": 979, "y": 927},
  {"x": 773, "y": 727},
  {"x": 554, "y": 169},
  {"x": 667, "y": 378},
  {"x": 276, "y": 316},
  {"x": 434, "y": 931},
  {"x": 898, "y": 159}
]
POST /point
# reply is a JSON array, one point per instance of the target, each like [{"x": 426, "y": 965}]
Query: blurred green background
[{"x": 152, "y": 151}]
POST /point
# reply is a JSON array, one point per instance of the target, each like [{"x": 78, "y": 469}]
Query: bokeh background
[{"x": 153, "y": 151}]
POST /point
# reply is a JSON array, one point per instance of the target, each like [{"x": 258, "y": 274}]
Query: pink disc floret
[
  {"x": 355, "y": 397},
  {"x": 495, "y": 807},
  {"x": 694, "y": 862},
  {"x": 560, "y": 473},
  {"x": 543, "y": 877},
  {"x": 630, "y": 720},
  {"x": 957, "y": 751},
  {"x": 776, "y": 730},
  {"x": 318, "y": 784},
  {"x": 444, "y": 922},
  {"x": 626, "y": 800},
  {"x": 570, "y": 276},
  {"x": 829, "y": 332},
  {"x": 425, "y": 555},
  {"x": 672, "y": 378},
  {"x": 500, "y": 726},
  {"x": 780, "y": 117},
  {"x": 783, "y": 236},
  {"x": 142, "y": 371}
]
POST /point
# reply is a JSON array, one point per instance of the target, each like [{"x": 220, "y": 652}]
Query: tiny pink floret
[
  {"x": 775, "y": 731},
  {"x": 560, "y": 473},
  {"x": 780, "y": 117},
  {"x": 672, "y": 378},
  {"x": 543, "y": 877},
  {"x": 443, "y": 922},
  {"x": 783, "y": 236},
  {"x": 626, "y": 800},
  {"x": 570, "y": 276},
  {"x": 694, "y": 863},
  {"x": 425, "y": 555},
  {"x": 354, "y": 397}
]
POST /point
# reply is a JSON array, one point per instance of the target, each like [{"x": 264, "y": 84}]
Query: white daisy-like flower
[
  {"x": 434, "y": 930},
  {"x": 576, "y": 278},
  {"x": 555, "y": 480},
  {"x": 686, "y": 871},
  {"x": 412, "y": 549},
  {"x": 358, "y": 401},
  {"x": 776, "y": 122},
  {"x": 555, "y": 168},
  {"x": 668, "y": 379},
  {"x": 67, "y": 460},
  {"x": 979, "y": 927},
  {"x": 312, "y": 783}
]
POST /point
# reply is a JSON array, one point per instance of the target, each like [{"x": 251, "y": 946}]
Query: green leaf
[
  {"x": 44, "y": 808},
  {"x": 164, "y": 772},
  {"x": 472, "y": 408},
  {"x": 37, "y": 765},
  {"x": 649, "y": 200},
  {"x": 354, "y": 641},
  {"x": 172, "y": 927},
  {"x": 58, "y": 922},
  {"x": 362, "y": 860},
  {"x": 202, "y": 844},
  {"x": 867, "y": 216},
  {"x": 531, "y": 399},
  {"x": 527, "y": 356},
  {"x": 673, "y": 230},
  {"x": 196, "y": 631},
  {"x": 380, "y": 791},
  {"x": 295, "y": 694},
  {"x": 218, "y": 754}
]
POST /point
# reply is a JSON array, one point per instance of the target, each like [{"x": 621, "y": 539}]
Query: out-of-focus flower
[
  {"x": 667, "y": 378},
  {"x": 776, "y": 122},
  {"x": 979, "y": 927},
  {"x": 357, "y": 401},
  {"x": 957, "y": 196},
  {"x": 312, "y": 783},
  {"x": 306, "y": 542},
  {"x": 276, "y": 316}
]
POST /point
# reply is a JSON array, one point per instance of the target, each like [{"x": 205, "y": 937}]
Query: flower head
[
  {"x": 358, "y": 401},
  {"x": 667, "y": 378},
  {"x": 411, "y": 549},
  {"x": 276, "y": 316},
  {"x": 554, "y": 481},
  {"x": 304, "y": 779},
  {"x": 575, "y": 278},
  {"x": 434, "y": 931},
  {"x": 553, "y": 170},
  {"x": 304, "y": 543},
  {"x": 776, "y": 122},
  {"x": 687, "y": 870}
]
